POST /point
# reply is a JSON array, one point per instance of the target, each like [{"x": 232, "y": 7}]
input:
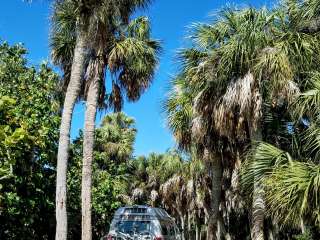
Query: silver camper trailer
[{"x": 142, "y": 223}]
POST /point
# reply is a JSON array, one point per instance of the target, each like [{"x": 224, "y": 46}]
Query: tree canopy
[{"x": 29, "y": 120}]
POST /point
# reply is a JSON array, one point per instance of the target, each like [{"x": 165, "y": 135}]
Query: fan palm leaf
[
  {"x": 293, "y": 193},
  {"x": 261, "y": 160}
]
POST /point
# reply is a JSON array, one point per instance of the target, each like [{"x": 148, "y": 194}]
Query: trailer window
[{"x": 133, "y": 226}]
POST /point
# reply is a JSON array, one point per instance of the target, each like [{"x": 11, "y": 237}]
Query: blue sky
[{"x": 30, "y": 23}]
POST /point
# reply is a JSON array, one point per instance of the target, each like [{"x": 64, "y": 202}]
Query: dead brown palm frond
[
  {"x": 198, "y": 128},
  {"x": 241, "y": 102},
  {"x": 115, "y": 98},
  {"x": 154, "y": 197},
  {"x": 138, "y": 195}
]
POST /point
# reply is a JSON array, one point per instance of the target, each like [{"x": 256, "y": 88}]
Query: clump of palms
[
  {"x": 239, "y": 69},
  {"x": 115, "y": 137}
]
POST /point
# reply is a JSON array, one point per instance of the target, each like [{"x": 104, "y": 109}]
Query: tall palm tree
[
  {"x": 73, "y": 83},
  {"x": 73, "y": 20},
  {"x": 131, "y": 59},
  {"x": 198, "y": 192}
]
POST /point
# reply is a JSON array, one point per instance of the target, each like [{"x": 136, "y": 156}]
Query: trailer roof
[{"x": 141, "y": 212}]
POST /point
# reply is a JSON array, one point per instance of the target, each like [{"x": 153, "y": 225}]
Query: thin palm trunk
[
  {"x": 302, "y": 226},
  {"x": 88, "y": 144},
  {"x": 273, "y": 230},
  {"x": 189, "y": 224},
  {"x": 64, "y": 138},
  {"x": 183, "y": 226},
  {"x": 216, "y": 175},
  {"x": 258, "y": 209},
  {"x": 222, "y": 231},
  {"x": 197, "y": 226},
  {"x": 197, "y": 232},
  {"x": 258, "y": 202}
]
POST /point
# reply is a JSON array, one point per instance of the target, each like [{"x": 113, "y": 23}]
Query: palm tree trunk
[
  {"x": 195, "y": 223},
  {"x": 189, "y": 224},
  {"x": 216, "y": 175},
  {"x": 198, "y": 227},
  {"x": 302, "y": 226},
  {"x": 258, "y": 202},
  {"x": 273, "y": 230},
  {"x": 258, "y": 210},
  {"x": 88, "y": 144},
  {"x": 64, "y": 138},
  {"x": 197, "y": 232},
  {"x": 183, "y": 226}
]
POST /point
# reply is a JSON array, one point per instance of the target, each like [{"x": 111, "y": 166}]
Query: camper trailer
[{"x": 142, "y": 223}]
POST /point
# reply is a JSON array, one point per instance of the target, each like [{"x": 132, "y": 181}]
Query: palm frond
[
  {"x": 310, "y": 139},
  {"x": 273, "y": 65},
  {"x": 261, "y": 161},
  {"x": 178, "y": 108},
  {"x": 237, "y": 103},
  {"x": 307, "y": 104},
  {"x": 63, "y": 36},
  {"x": 139, "y": 28},
  {"x": 293, "y": 193}
]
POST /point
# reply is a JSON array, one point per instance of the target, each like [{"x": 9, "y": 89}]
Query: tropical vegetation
[{"x": 243, "y": 108}]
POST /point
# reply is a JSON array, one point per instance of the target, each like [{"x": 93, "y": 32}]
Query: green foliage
[
  {"x": 243, "y": 70},
  {"x": 29, "y": 121},
  {"x": 304, "y": 236},
  {"x": 115, "y": 137}
]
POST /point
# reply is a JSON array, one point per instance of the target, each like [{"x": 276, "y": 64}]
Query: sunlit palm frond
[
  {"x": 192, "y": 61},
  {"x": 310, "y": 139},
  {"x": 300, "y": 48},
  {"x": 208, "y": 36},
  {"x": 307, "y": 104},
  {"x": 63, "y": 36},
  {"x": 293, "y": 193},
  {"x": 251, "y": 33},
  {"x": 178, "y": 108},
  {"x": 197, "y": 168},
  {"x": 273, "y": 65},
  {"x": 261, "y": 161},
  {"x": 171, "y": 164},
  {"x": 117, "y": 134}
]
